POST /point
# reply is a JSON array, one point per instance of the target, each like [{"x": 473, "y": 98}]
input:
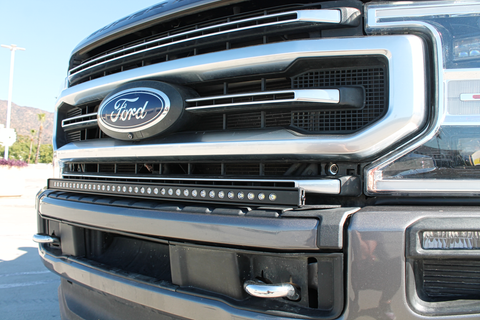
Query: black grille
[
  {"x": 372, "y": 78},
  {"x": 371, "y": 75},
  {"x": 252, "y": 169},
  {"x": 168, "y": 37},
  {"x": 82, "y": 134},
  {"x": 109, "y": 168},
  {"x": 277, "y": 169},
  {"x": 450, "y": 279},
  {"x": 278, "y": 119},
  {"x": 244, "y": 120},
  {"x": 197, "y": 169},
  {"x": 74, "y": 112},
  {"x": 74, "y": 135}
]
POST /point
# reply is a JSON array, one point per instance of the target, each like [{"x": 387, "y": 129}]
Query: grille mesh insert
[
  {"x": 451, "y": 279},
  {"x": 372, "y": 79}
]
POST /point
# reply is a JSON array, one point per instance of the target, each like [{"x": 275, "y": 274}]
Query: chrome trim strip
[
  {"x": 329, "y": 16},
  {"x": 79, "y": 117},
  {"x": 429, "y": 186},
  {"x": 470, "y": 97},
  {"x": 379, "y": 21},
  {"x": 162, "y": 11},
  {"x": 80, "y": 125},
  {"x": 325, "y": 186},
  {"x": 423, "y": 9},
  {"x": 330, "y": 96},
  {"x": 280, "y": 234},
  {"x": 406, "y": 110}
]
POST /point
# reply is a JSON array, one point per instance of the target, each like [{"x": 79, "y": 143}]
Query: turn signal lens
[{"x": 451, "y": 240}]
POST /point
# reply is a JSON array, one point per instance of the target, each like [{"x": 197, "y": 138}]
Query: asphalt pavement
[{"x": 27, "y": 289}]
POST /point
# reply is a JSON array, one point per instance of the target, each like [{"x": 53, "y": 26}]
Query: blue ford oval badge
[
  {"x": 142, "y": 109},
  {"x": 134, "y": 109}
]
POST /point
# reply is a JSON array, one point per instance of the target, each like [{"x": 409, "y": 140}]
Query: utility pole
[{"x": 12, "y": 49}]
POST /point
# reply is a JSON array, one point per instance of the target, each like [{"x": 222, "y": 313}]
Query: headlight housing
[{"x": 445, "y": 159}]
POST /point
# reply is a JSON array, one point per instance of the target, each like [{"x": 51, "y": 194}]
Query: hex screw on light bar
[
  {"x": 264, "y": 290},
  {"x": 42, "y": 238},
  {"x": 332, "y": 169}
]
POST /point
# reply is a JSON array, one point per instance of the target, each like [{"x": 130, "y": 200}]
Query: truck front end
[{"x": 244, "y": 159}]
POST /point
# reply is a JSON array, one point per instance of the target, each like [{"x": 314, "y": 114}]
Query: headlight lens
[
  {"x": 57, "y": 166},
  {"x": 447, "y": 161},
  {"x": 447, "y": 164}
]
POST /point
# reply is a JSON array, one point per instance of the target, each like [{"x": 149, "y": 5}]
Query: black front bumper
[{"x": 118, "y": 259}]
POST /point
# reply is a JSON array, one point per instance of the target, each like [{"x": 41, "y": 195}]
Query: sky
[{"x": 49, "y": 30}]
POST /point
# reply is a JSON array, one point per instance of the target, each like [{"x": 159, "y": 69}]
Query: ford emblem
[{"x": 140, "y": 110}]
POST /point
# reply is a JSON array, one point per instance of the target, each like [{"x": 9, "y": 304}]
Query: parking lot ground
[{"x": 27, "y": 289}]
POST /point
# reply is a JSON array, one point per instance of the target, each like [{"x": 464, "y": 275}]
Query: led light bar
[
  {"x": 207, "y": 193},
  {"x": 451, "y": 240}
]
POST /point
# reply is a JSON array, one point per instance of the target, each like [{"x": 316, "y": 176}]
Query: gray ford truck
[{"x": 243, "y": 159}]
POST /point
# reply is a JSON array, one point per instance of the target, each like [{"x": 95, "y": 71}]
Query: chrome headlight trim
[
  {"x": 385, "y": 18},
  {"x": 375, "y": 24}
]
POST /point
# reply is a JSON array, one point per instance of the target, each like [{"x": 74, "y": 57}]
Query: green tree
[
  {"x": 19, "y": 150},
  {"x": 41, "y": 118},
  {"x": 32, "y": 137},
  {"x": 46, "y": 153},
  {"x": 23, "y": 148}
]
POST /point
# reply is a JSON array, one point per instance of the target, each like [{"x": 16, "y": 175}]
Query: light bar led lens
[
  {"x": 451, "y": 240},
  {"x": 282, "y": 196}
]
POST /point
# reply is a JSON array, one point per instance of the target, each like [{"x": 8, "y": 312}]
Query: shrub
[{"x": 13, "y": 163}]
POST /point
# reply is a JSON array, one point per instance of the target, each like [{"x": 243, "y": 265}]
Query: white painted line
[
  {"x": 23, "y": 273},
  {"x": 24, "y": 284}
]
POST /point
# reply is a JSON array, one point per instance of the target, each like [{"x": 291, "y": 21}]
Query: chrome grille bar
[
  {"x": 326, "y": 16},
  {"x": 80, "y": 122},
  {"x": 330, "y": 98}
]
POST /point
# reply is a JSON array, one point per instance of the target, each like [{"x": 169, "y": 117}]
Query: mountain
[{"x": 23, "y": 119}]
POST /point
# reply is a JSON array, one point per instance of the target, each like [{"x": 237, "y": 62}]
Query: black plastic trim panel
[
  {"x": 286, "y": 234},
  {"x": 262, "y": 228}
]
